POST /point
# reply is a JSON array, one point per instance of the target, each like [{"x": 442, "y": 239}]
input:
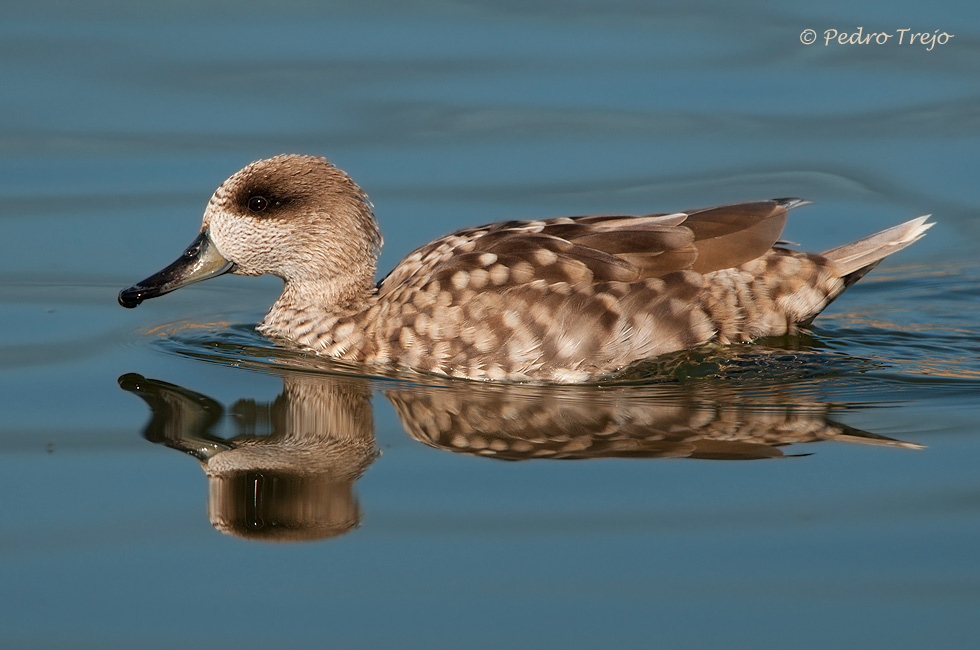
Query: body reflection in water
[
  {"x": 289, "y": 472},
  {"x": 616, "y": 425}
]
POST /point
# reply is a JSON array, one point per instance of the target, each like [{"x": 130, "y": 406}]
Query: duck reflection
[
  {"x": 288, "y": 472},
  {"x": 706, "y": 422}
]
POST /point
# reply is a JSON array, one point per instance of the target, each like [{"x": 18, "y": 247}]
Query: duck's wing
[
  {"x": 731, "y": 235},
  {"x": 596, "y": 248}
]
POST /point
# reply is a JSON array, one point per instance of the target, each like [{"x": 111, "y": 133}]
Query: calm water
[{"x": 852, "y": 519}]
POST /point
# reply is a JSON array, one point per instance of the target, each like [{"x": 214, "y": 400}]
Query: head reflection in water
[{"x": 289, "y": 472}]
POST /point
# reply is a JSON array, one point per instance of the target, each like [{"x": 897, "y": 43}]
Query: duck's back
[{"x": 571, "y": 299}]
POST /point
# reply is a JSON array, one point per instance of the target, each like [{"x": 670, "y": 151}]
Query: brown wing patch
[
  {"x": 573, "y": 250},
  {"x": 728, "y": 236},
  {"x": 653, "y": 251}
]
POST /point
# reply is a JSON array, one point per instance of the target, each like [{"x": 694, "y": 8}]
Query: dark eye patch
[
  {"x": 262, "y": 202},
  {"x": 264, "y": 198}
]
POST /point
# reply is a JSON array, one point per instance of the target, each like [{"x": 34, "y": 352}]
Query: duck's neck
[
  {"x": 309, "y": 312},
  {"x": 332, "y": 296}
]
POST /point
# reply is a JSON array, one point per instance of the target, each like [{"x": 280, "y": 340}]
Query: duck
[{"x": 558, "y": 300}]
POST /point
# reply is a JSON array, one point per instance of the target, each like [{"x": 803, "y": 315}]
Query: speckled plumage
[{"x": 558, "y": 300}]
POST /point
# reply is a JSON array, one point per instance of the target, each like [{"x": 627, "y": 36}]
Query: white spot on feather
[{"x": 460, "y": 279}]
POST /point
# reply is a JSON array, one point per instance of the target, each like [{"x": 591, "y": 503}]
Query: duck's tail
[{"x": 854, "y": 260}]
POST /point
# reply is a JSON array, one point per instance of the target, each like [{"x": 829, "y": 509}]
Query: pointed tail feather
[
  {"x": 854, "y": 260},
  {"x": 857, "y": 258}
]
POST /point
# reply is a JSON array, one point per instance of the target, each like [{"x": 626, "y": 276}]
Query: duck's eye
[{"x": 258, "y": 203}]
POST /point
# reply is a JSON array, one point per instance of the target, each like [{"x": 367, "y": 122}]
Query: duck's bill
[{"x": 200, "y": 261}]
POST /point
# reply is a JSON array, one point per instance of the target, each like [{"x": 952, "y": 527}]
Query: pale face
[{"x": 296, "y": 217}]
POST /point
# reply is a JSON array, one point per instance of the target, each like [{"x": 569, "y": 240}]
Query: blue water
[{"x": 118, "y": 121}]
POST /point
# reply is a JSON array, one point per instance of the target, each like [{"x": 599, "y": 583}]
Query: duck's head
[{"x": 297, "y": 217}]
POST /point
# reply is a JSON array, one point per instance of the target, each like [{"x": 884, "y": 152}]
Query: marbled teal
[{"x": 554, "y": 300}]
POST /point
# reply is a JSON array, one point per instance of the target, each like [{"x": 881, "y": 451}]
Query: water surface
[{"x": 810, "y": 491}]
